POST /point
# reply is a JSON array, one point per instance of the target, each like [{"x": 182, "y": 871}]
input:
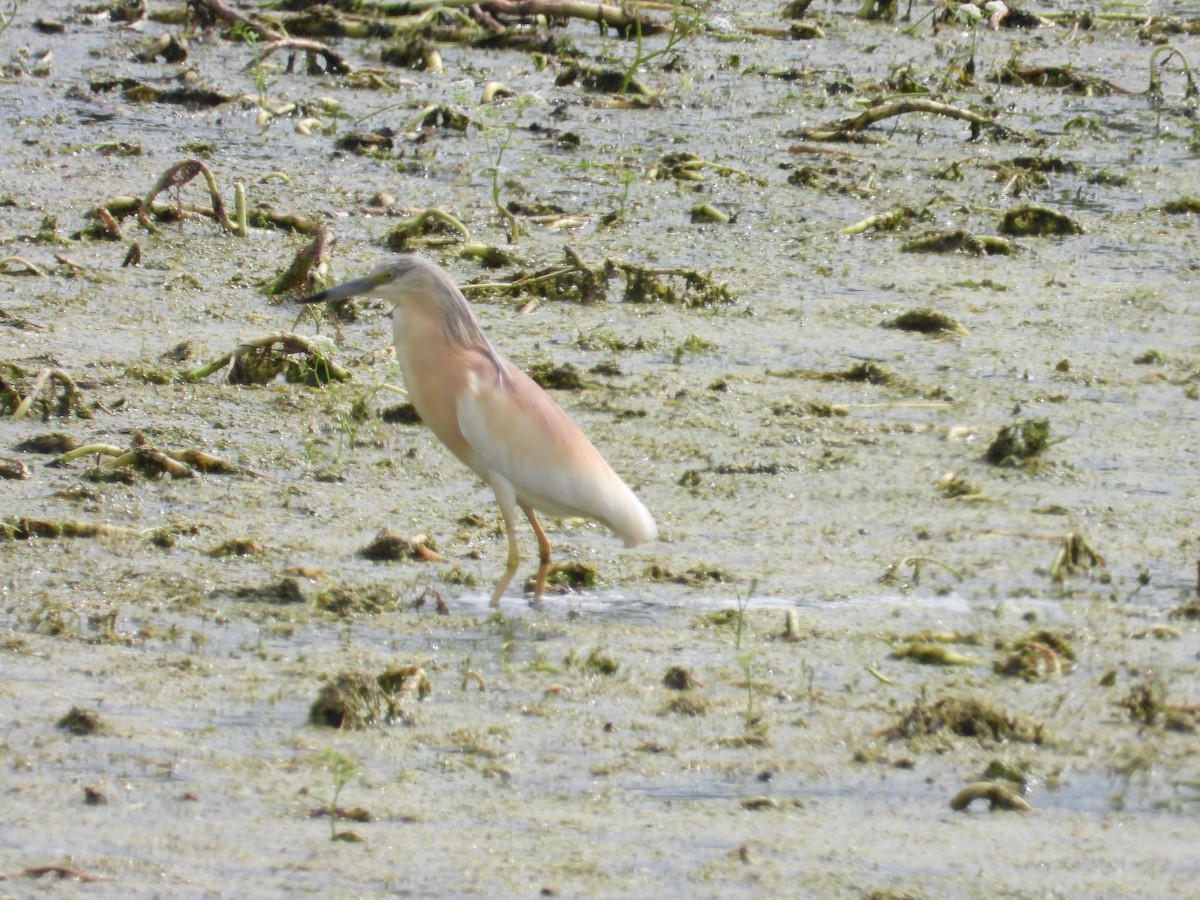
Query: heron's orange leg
[{"x": 539, "y": 586}]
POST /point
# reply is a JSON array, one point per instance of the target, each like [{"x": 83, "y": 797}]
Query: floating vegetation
[
  {"x": 955, "y": 240},
  {"x": 697, "y": 576},
  {"x": 402, "y": 682},
  {"x": 571, "y": 575},
  {"x": 917, "y": 564},
  {"x": 40, "y": 396},
  {"x": 894, "y": 219},
  {"x": 1075, "y": 556},
  {"x": 956, "y": 487},
  {"x": 965, "y": 716},
  {"x": 557, "y": 377},
  {"x": 81, "y": 721},
  {"x": 1191, "y": 609},
  {"x": 1019, "y": 443},
  {"x": 351, "y": 700},
  {"x": 584, "y": 282},
  {"x": 354, "y": 699},
  {"x": 241, "y": 546},
  {"x": 927, "y": 321},
  {"x": 686, "y": 166},
  {"x": 687, "y": 705},
  {"x": 22, "y": 267},
  {"x": 431, "y": 227},
  {"x": 283, "y": 592},
  {"x": 23, "y": 528},
  {"x": 1037, "y": 656},
  {"x": 679, "y": 678},
  {"x": 1066, "y": 77},
  {"x": 345, "y": 601},
  {"x": 13, "y": 469},
  {"x": 388, "y": 546},
  {"x": 259, "y": 361},
  {"x": 151, "y": 461},
  {"x": 1182, "y": 205},
  {"x": 597, "y": 662},
  {"x": 604, "y": 81},
  {"x": 1038, "y": 221},
  {"x": 175, "y": 178},
  {"x": 1147, "y": 705}
]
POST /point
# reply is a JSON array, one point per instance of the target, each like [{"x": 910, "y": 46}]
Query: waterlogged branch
[
  {"x": 849, "y": 129},
  {"x": 71, "y": 402},
  {"x": 1155, "y": 87},
  {"x": 623, "y": 18},
  {"x": 584, "y": 282},
  {"x": 334, "y": 63},
  {"x": 260, "y": 360},
  {"x": 177, "y": 176},
  {"x": 313, "y": 257},
  {"x": 231, "y": 16},
  {"x": 151, "y": 461},
  {"x": 29, "y": 268}
]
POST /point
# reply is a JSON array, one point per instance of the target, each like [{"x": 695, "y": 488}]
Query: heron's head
[
  {"x": 409, "y": 281},
  {"x": 392, "y": 280}
]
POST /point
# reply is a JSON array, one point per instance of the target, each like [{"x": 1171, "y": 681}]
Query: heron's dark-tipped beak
[{"x": 354, "y": 288}]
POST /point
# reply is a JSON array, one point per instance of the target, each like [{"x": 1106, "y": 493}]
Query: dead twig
[
  {"x": 848, "y": 129},
  {"x": 309, "y": 266},
  {"x": 176, "y": 177},
  {"x": 71, "y": 402},
  {"x": 260, "y": 360},
  {"x": 29, "y": 268}
]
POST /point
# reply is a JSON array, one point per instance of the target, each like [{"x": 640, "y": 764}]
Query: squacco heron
[{"x": 493, "y": 416}]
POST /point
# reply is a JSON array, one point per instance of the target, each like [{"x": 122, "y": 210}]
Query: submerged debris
[
  {"x": 853, "y": 128},
  {"x": 570, "y": 575},
  {"x": 999, "y": 796},
  {"x": 353, "y": 699},
  {"x": 679, "y": 678},
  {"x": 390, "y": 547},
  {"x": 23, "y": 528},
  {"x": 1038, "y": 221},
  {"x": 951, "y": 241},
  {"x": 284, "y": 591},
  {"x": 309, "y": 267},
  {"x": 1037, "y": 656},
  {"x": 1147, "y": 705},
  {"x": 933, "y": 654},
  {"x": 927, "y": 321},
  {"x": 583, "y": 282},
  {"x": 259, "y": 361},
  {"x": 1075, "y": 556},
  {"x": 966, "y": 716},
  {"x": 1017, "y": 444},
  {"x": 81, "y": 721},
  {"x": 39, "y": 397},
  {"x": 151, "y": 461}
]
